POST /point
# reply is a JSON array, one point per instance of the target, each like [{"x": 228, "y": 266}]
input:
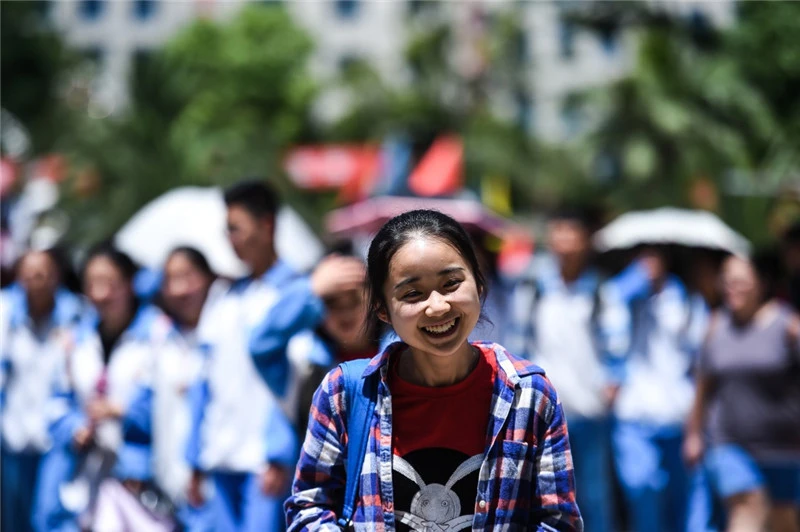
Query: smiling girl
[{"x": 464, "y": 435}]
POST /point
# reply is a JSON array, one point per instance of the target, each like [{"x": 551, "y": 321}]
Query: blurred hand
[
  {"x": 194, "y": 493},
  {"x": 275, "y": 480},
  {"x": 654, "y": 264},
  {"x": 336, "y": 274},
  {"x": 102, "y": 409},
  {"x": 83, "y": 437},
  {"x": 693, "y": 448},
  {"x": 610, "y": 394}
]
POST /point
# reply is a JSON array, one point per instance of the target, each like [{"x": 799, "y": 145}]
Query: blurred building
[{"x": 560, "y": 58}]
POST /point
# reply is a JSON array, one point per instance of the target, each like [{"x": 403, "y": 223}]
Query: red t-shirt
[{"x": 439, "y": 437}]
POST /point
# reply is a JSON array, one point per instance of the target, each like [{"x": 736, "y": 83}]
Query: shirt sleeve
[
  {"x": 297, "y": 308},
  {"x": 64, "y": 413},
  {"x": 614, "y": 330},
  {"x": 137, "y": 423},
  {"x": 320, "y": 481},
  {"x": 554, "y": 506},
  {"x": 199, "y": 397}
]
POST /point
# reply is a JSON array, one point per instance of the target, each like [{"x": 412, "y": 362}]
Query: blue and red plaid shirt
[{"x": 525, "y": 482}]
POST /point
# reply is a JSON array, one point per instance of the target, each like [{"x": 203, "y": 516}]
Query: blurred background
[
  {"x": 123, "y": 120},
  {"x": 520, "y": 105}
]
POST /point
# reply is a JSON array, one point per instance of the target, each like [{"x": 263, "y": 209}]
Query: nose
[{"x": 437, "y": 305}]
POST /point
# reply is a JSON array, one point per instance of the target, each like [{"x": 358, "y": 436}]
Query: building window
[
  {"x": 92, "y": 55},
  {"x": 347, "y": 8},
  {"x": 609, "y": 40},
  {"x": 144, "y": 9},
  {"x": 566, "y": 38},
  {"x": 524, "y": 111},
  {"x": 91, "y": 9},
  {"x": 572, "y": 115}
]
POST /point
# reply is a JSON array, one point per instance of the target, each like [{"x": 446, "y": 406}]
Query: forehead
[
  {"x": 737, "y": 266},
  {"x": 102, "y": 266},
  {"x": 424, "y": 255},
  {"x": 238, "y": 214},
  {"x": 178, "y": 263},
  {"x": 36, "y": 263}
]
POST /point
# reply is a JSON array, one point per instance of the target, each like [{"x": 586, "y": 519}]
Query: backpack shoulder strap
[{"x": 360, "y": 401}]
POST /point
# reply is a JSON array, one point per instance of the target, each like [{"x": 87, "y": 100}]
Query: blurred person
[
  {"x": 90, "y": 474},
  {"x": 242, "y": 435},
  {"x": 745, "y": 422},
  {"x": 329, "y": 324},
  {"x": 493, "y": 325},
  {"x": 463, "y": 435},
  {"x": 557, "y": 308},
  {"x": 35, "y": 315},
  {"x": 160, "y": 412},
  {"x": 656, "y": 392},
  {"x": 790, "y": 244}
]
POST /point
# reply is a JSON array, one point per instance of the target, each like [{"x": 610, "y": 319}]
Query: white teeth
[{"x": 439, "y": 329}]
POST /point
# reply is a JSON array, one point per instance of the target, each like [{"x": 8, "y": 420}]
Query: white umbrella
[
  {"x": 670, "y": 226},
  {"x": 195, "y": 216}
]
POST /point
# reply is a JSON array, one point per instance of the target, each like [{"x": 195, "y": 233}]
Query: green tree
[
  {"x": 701, "y": 103},
  {"x": 219, "y": 102},
  {"x": 33, "y": 64}
]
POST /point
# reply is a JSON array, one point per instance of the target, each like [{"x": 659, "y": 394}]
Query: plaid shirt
[{"x": 525, "y": 482}]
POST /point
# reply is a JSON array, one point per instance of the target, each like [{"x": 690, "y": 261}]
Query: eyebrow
[{"x": 446, "y": 271}]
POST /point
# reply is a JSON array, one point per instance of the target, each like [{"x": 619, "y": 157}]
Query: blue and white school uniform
[
  {"x": 567, "y": 329},
  {"x": 30, "y": 354},
  {"x": 237, "y": 400},
  {"x": 70, "y": 479},
  {"x": 653, "y": 403},
  {"x": 161, "y": 415}
]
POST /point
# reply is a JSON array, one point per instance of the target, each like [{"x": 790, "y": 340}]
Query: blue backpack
[{"x": 360, "y": 400}]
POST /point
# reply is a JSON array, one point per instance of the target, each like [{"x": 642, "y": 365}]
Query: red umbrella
[{"x": 369, "y": 215}]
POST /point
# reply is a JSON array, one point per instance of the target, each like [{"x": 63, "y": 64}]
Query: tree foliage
[{"x": 219, "y": 102}]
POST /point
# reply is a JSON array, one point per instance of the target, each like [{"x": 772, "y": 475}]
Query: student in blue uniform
[
  {"x": 656, "y": 394},
  {"x": 330, "y": 316},
  {"x": 160, "y": 413},
  {"x": 35, "y": 315},
  {"x": 111, "y": 351},
  {"x": 233, "y": 407}
]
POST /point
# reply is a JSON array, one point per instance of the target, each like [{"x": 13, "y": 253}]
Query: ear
[
  {"x": 268, "y": 224},
  {"x": 382, "y": 315}
]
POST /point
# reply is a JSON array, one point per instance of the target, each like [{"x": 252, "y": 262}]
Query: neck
[
  {"x": 426, "y": 370},
  {"x": 572, "y": 269},
  {"x": 263, "y": 263},
  {"x": 746, "y": 314},
  {"x": 359, "y": 346},
  {"x": 41, "y": 311},
  {"x": 114, "y": 325}
]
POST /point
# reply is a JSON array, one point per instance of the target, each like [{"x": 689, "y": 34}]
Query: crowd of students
[{"x": 186, "y": 407}]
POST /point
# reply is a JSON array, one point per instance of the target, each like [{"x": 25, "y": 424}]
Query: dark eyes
[
  {"x": 450, "y": 285},
  {"x": 410, "y": 295}
]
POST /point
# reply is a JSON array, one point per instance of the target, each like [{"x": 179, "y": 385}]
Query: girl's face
[
  {"x": 432, "y": 301},
  {"x": 185, "y": 288},
  {"x": 740, "y": 284},
  {"x": 107, "y": 289},
  {"x": 346, "y": 316}
]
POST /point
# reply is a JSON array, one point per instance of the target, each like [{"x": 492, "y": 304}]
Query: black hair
[
  {"x": 405, "y": 227},
  {"x": 122, "y": 261},
  {"x": 791, "y": 235},
  {"x": 196, "y": 257},
  {"x": 766, "y": 264},
  {"x": 255, "y": 196},
  {"x": 587, "y": 217}
]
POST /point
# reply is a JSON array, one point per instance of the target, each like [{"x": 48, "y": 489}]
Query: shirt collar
[
  {"x": 66, "y": 310},
  {"x": 550, "y": 277},
  {"x": 512, "y": 369}
]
